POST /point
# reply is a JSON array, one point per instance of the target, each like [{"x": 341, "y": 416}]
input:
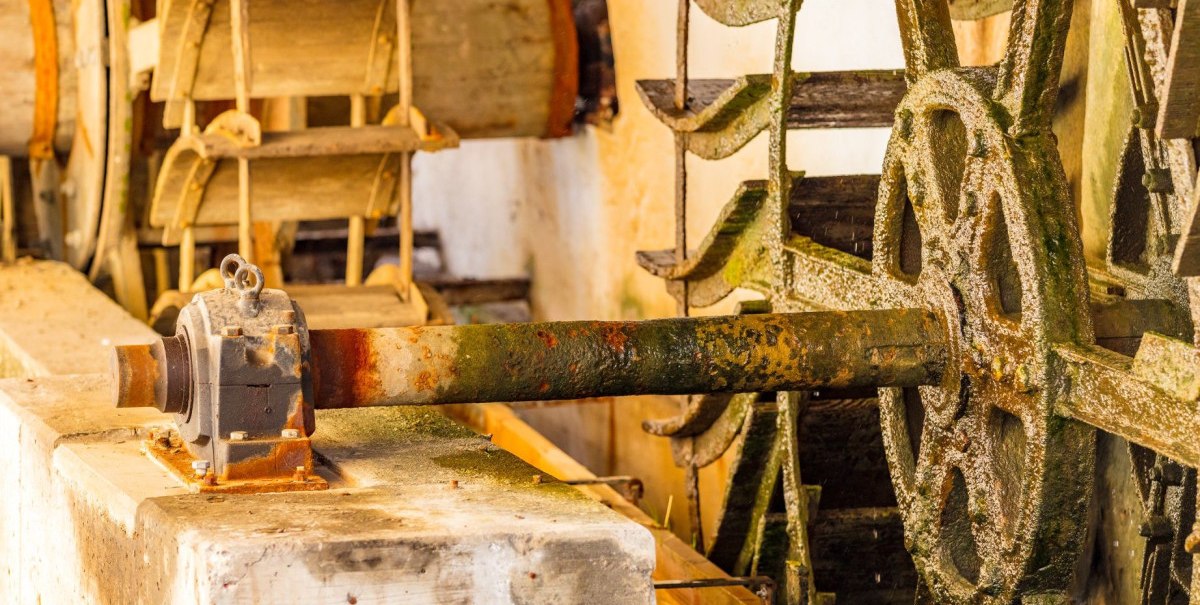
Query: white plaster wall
[{"x": 572, "y": 212}]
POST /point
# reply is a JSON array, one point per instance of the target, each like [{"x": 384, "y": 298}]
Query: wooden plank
[
  {"x": 836, "y": 211},
  {"x": 675, "y": 559},
  {"x": 330, "y": 307},
  {"x": 479, "y": 291},
  {"x": 8, "y": 217},
  {"x": 1187, "y": 252},
  {"x": 837, "y": 99},
  {"x": 285, "y": 189},
  {"x": 1179, "y": 113},
  {"x": 334, "y": 140}
]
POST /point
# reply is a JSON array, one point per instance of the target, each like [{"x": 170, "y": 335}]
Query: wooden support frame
[
  {"x": 675, "y": 560},
  {"x": 8, "y": 219},
  {"x": 404, "y": 115}
]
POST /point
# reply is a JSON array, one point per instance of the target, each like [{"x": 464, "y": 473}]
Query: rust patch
[
  {"x": 615, "y": 337},
  {"x": 547, "y": 339},
  {"x": 425, "y": 381},
  {"x": 566, "y": 70},
  {"x": 344, "y": 368},
  {"x": 178, "y": 461}
]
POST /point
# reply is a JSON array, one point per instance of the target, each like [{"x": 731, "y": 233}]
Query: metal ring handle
[
  {"x": 230, "y": 265},
  {"x": 241, "y": 281}
]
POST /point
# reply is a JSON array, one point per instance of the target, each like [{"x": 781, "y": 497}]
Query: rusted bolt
[
  {"x": 537, "y": 479},
  {"x": 904, "y": 124},
  {"x": 237, "y": 436},
  {"x": 970, "y": 203},
  {"x": 231, "y": 331},
  {"x": 916, "y": 191},
  {"x": 290, "y": 434},
  {"x": 1158, "y": 526},
  {"x": 162, "y": 440},
  {"x": 1024, "y": 378},
  {"x": 301, "y": 475},
  {"x": 289, "y": 317},
  {"x": 454, "y": 484},
  {"x": 200, "y": 467},
  {"x": 285, "y": 329},
  {"x": 1169, "y": 474},
  {"x": 1141, "y": 119},
  {"x": 997, "y": 368},
  {"x": 210, "y": 478},
  {"x": 962, "y": 440},
  {"x": 978, "y": 147},
  {"x": 1158, "y": 180}
]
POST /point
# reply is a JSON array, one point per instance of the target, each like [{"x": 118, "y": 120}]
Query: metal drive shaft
[{"x": 573, "y": 360}]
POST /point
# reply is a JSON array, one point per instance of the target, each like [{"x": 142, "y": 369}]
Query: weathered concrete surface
[
  {"x": 421, "y": 510},
  {"x": 53, "y": 321}
]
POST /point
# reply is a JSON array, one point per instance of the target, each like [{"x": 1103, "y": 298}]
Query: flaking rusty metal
[{"x": 573, "y": 360}]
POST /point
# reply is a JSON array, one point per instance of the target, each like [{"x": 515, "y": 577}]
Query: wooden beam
[
  {"x": 1179, "y": 113},
  {"x": 675, "y": 560}
]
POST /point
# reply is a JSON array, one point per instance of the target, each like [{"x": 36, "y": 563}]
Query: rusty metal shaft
[{"x": 575, "y": 360}]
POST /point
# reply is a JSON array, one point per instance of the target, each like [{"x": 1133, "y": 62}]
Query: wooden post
[
  {"x": 239, "y": 19},
  {"x": 356, "y": 231},
  {"x": 187, "y": 259},
  {"x": 162, "y": 272},
  {"x": 8, "y": 219},
  {"x": 404, "y": 218}
]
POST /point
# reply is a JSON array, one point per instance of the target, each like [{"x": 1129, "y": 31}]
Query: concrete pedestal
[{"x": 420, "y": 510}]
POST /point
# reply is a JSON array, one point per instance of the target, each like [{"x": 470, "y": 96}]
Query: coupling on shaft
[{"x": 157, "y": 375}]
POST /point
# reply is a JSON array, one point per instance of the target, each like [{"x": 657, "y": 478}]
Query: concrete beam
[{"x": 420, "y": 509}]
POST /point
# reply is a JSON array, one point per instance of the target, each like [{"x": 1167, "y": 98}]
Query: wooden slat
[
  {"x": 479, "y": 291},
  {"x": 329, "y": 307},
  {"x": 285, "y": 189},
  {"x": 737, "y": 13},
  {"x": 675, "y": 560},
  {"x": 737, "y": 216},
  {"x": 836, "y": 211},
  {"x": 841, "y": 99},
  {"x": 1179, "y": 113},
  {"x": 1187, "y": 252},
  {"x": 859, "y": 554},
  {"x": 336, "y": 140}
]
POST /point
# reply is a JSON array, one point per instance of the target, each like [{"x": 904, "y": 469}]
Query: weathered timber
[
  {"x": 488, "y": 69},
  {"x": 723, "y": 115},
  {"x": 836, "y": 211},
  {"x": 479, "y": 291},
  {"x": 858, "y": 553},
  {"x": 1179, "y": 111}
]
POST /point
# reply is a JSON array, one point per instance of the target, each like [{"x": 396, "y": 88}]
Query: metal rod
[
  {"x": 762, "y": 586},
  {"x": 575, "y": 360}
]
